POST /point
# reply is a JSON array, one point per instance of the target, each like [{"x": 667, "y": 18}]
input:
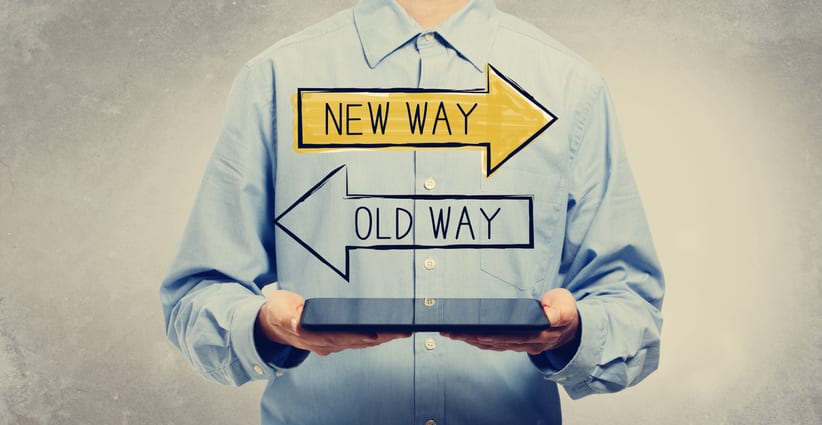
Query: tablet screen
[{"x": 481, "y": 315}]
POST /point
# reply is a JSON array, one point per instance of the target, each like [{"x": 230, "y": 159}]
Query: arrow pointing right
[{"x": 501, "y": 119}]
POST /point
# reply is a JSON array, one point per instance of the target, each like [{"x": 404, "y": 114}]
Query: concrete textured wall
[{"x": 109, "y": 110}]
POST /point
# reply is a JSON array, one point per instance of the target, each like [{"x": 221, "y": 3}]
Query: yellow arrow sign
[{"x": 502, "y": 119}]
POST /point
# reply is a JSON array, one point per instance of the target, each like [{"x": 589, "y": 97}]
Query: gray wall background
[{"x": 109, "y": 110}]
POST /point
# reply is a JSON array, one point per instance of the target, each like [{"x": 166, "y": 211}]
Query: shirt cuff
[
  {"x": 576, "y": 373},
  {"x": 274, "y": 359}
]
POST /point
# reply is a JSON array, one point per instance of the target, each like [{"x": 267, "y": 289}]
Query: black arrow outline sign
[{"x": 345, "y": 274}]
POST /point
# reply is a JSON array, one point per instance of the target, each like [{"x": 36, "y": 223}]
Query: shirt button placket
[
  {"x": 429, "y": 167},
  {"x": 429, "y": 263},
  {"x": 430, "y": 344},
  {"x": 430, "y": 184}
]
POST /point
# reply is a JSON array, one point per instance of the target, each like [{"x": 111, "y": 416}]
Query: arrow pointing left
[{"x": 402, "y": 222}]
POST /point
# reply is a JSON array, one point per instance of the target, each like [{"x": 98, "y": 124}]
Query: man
[{"x": 266, "y": 214}]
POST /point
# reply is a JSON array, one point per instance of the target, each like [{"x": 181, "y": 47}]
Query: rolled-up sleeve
[
  {"x": 608, "y": 262},
  {"x": 211, "y": 294}
]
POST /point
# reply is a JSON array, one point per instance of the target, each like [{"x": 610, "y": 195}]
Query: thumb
[
  {"x": 285, "y": 309},
  {"x": 560, "y": 307},
  {"x": 295, "y": 320}
]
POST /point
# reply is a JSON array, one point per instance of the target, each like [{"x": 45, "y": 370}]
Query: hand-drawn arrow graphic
[
  {"x": 329, "y": 221},
  {"x": 501, "y": 119}
]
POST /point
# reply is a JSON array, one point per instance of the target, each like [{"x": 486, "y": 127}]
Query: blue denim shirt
[{"x": 417, "y": 222}]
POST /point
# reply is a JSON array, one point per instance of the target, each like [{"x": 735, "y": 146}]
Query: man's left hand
[{"x": 560, "y": 308}]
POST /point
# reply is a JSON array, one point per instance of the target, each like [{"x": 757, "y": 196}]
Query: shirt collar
[{"x": 384, "y": 26}]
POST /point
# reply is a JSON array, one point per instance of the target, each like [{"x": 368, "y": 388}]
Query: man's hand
[
  {"x": 279, "y": 319},
  {"x": 561, "y": 309}
]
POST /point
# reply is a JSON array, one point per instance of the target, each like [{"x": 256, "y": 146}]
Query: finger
[
  {"x": 515, "y": 338},
  {"x": 281, "y": 309},
  {"x": 487, "y": 347},
  {"x": 296, "y": 329},
  {"x": 382, "y": 338},
  {"x": 393, "y": 335},
  {"x": 519, "y": 348},
  {"x": 559, "y": 306},
  {"x": 544, "y": 341},
  {"x": 341, "y": 340},
  {"x": 326, "y": 343}
]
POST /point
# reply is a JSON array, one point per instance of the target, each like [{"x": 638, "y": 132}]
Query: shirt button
[
  {"x": 429, "y": 263},
  {"x": 430, "y": 183},
  {"x": 429, "y": 37},
  {"x": 561, "y": 379},
  {"x": 258, "y": 369},
  {"x": 430, "y": 422},
  {"x": 430, "y": 344},
  {"x": 279, "y": 374}
]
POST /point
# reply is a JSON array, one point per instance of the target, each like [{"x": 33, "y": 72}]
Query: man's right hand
[{"x": 279, "y": 319}]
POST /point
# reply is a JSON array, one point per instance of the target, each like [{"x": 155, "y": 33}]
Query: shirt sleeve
[
  {"x": 608, "y": 262},
  {"x": 211, "y": 295}
]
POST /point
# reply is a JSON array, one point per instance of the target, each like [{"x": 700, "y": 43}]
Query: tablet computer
[{"x": 477, "y": 315}]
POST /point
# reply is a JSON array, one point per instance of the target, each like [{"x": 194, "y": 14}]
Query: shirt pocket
[{"x": 525, "y": 267}]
